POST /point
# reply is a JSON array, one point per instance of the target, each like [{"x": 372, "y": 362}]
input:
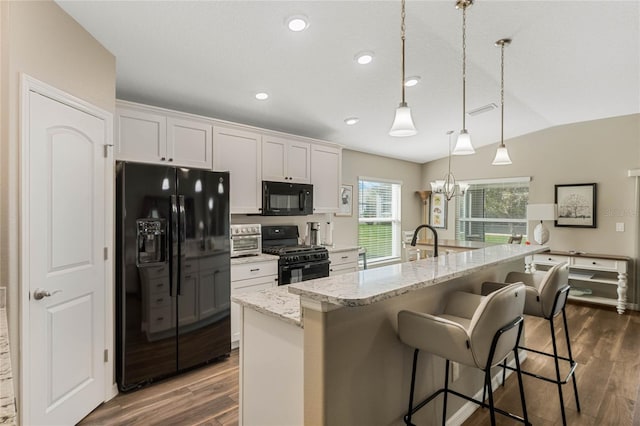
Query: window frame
[
  {"x": 460, "y": 232},
  {"x": 395, "y": 219}
]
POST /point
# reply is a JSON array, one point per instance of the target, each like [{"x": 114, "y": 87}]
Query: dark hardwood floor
[{"x": 605, "y": 344}]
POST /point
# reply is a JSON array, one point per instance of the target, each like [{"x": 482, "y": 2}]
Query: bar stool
[
  {"x": 477, "y": 331},
  {"x": 546, "y": 297}
]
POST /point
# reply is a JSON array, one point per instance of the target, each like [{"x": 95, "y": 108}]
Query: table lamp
[{"x": 541, "y": 212}]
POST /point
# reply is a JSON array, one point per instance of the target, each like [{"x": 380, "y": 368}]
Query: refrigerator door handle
[
  {"x": 183, "y": 234},
  {"x": 173, "y": 272}
]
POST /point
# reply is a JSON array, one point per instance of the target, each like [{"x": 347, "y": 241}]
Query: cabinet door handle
[
  {"x": 162, "y": 158},
  {"x": 254, "y": 270},
  {"x": 550, "y": 259},
  {"x": 187, "y": 277},
  {"x": 344, "y": 257},
  {"x": 594, "y": 263},
  {"x": 170, "y": 159}
]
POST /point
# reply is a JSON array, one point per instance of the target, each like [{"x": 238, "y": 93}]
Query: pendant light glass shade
[
  {"x": 502, "y": 156},
  {"x": 403, "y": 122},
  {"x": 463, "y": 144}
]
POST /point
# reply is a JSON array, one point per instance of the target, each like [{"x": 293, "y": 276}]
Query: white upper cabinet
[
  {"x": 240, "y": 152},
  {"x": 286, "y": 160},
  {"x": 140, "y": 136},
  {"x": 326, "y": 167},
  {"x": 189, "y": 142},
  {"x": 150, "y": 135}
]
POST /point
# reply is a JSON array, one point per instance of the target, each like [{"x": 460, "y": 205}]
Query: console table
[{"x": 591, "y": 275}]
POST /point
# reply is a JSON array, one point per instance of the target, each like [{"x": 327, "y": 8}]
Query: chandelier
[{"x": 448, "y": 186}]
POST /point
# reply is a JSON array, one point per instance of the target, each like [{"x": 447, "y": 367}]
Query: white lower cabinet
[
  {"x": 343, "y": 262},
  {"x": 248, "y": 277}
]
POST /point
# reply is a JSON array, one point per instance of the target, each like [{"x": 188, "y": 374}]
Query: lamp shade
[
  {"x": 403, "y": 122},
  {"x": 502, "y": 157},
  {"x": 541, "y": 212},
  {"x": 463, "y": 144}
]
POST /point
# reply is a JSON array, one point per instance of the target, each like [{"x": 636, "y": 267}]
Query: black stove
[{"x": 296, "y": 262}]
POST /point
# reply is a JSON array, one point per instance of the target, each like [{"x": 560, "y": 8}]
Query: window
[
  {"x": 379, "y": 218},
  {"x": 493, "y": 210}
]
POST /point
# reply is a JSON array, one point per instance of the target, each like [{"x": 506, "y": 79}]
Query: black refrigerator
[{"x": 172, "y": 271}]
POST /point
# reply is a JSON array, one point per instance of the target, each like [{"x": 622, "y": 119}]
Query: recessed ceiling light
[
  {"x": 364, "y": 58},
  {"x": 297, "y": 23},
  {"x": 262, "y": 96},
  {"x": 351, "y": 121},
  {"x": 412, "y": 81}
]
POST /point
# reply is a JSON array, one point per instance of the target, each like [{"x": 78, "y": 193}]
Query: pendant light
[
  {"x": 403, "y": 122},
  {"x": 502, "y": 155},
  {"x": 463, "y": 143}
]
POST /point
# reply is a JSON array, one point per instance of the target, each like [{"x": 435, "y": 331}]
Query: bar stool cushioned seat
[
  {"x": 546, "y": 297},
  {"x": 474, "y": 330}
]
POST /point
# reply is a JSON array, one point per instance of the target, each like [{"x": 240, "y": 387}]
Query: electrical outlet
[
  {"x": 455, "y": 371},
  {"x": 620, "y": 227}
]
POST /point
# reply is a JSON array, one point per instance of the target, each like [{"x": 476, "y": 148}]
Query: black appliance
[
  {"x": 296, "y": 262},
  {"x": 286, "y": 199},
  {"x": 172, "y": 271}
]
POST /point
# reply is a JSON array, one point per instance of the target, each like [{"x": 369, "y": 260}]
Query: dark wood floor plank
[{"x": 605, "y": 344}]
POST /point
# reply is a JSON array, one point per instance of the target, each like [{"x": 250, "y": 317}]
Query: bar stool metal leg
[
  {"x": 407, "y": 418},
  {"x": 520, "y": 384},
  {"x": 446, "y": 392},
  {"x": 571, "y": 360},
  {"x": 557, "y": 363}
]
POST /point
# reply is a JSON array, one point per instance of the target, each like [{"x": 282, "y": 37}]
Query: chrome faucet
[{"x": 435, "y": 238}]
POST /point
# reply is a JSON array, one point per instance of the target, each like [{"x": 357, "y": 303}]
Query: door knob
[{"x": 40, "y": 293}]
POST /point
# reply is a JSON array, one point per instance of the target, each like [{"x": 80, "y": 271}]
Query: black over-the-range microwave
[{"x": 286, "y": 199}]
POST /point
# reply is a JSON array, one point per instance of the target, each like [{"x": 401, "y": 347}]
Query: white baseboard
[{"x": 469, "y": 407}]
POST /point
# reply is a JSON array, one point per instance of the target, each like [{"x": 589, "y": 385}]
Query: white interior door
[{"x": 66, "y": 266}]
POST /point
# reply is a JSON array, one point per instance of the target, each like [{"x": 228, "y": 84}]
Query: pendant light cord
[
  {"x": 402, "y": 37},
  {"x": 502, "y": 94},
  {"x": 464, "y": 64}
]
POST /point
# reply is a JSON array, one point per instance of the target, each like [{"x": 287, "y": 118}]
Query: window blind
[{"x": 379, "y": 218}]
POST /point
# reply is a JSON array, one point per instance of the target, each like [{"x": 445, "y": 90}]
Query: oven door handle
[{"x": 305, "y": 265}]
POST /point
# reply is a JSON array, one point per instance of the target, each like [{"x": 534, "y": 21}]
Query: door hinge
[
  {"x": 106, "y": 253},
  {"x": 106, "y": 355},
  {"x": 106, "y": 150}
]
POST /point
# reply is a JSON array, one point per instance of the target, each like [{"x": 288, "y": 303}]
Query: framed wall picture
[
  {"x": 438, "y": 211},
  {"x": 346, "y": 200},
  {"x": 576, "y": 205}
]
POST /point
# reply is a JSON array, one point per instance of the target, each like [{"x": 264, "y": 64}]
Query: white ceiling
[{"x": 569, "y": 61}]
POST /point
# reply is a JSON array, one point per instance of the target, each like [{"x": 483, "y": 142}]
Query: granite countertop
[
  {"x": 253, "y": 259},
  {"x": 456, "y": 243},
  {"x": 7, "y": 399},
  {"x": 373, "y": 285},
  {"x": 276, "y": 302}
]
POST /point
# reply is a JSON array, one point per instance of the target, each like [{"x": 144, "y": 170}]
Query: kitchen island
[{"x": 343, "y": 363}]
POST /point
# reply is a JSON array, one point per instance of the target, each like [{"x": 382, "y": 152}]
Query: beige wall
[
  {"x": 357, "y": 164},
  {"x": 600, "y": 151},
  {"x": 41, "y": 40}
]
